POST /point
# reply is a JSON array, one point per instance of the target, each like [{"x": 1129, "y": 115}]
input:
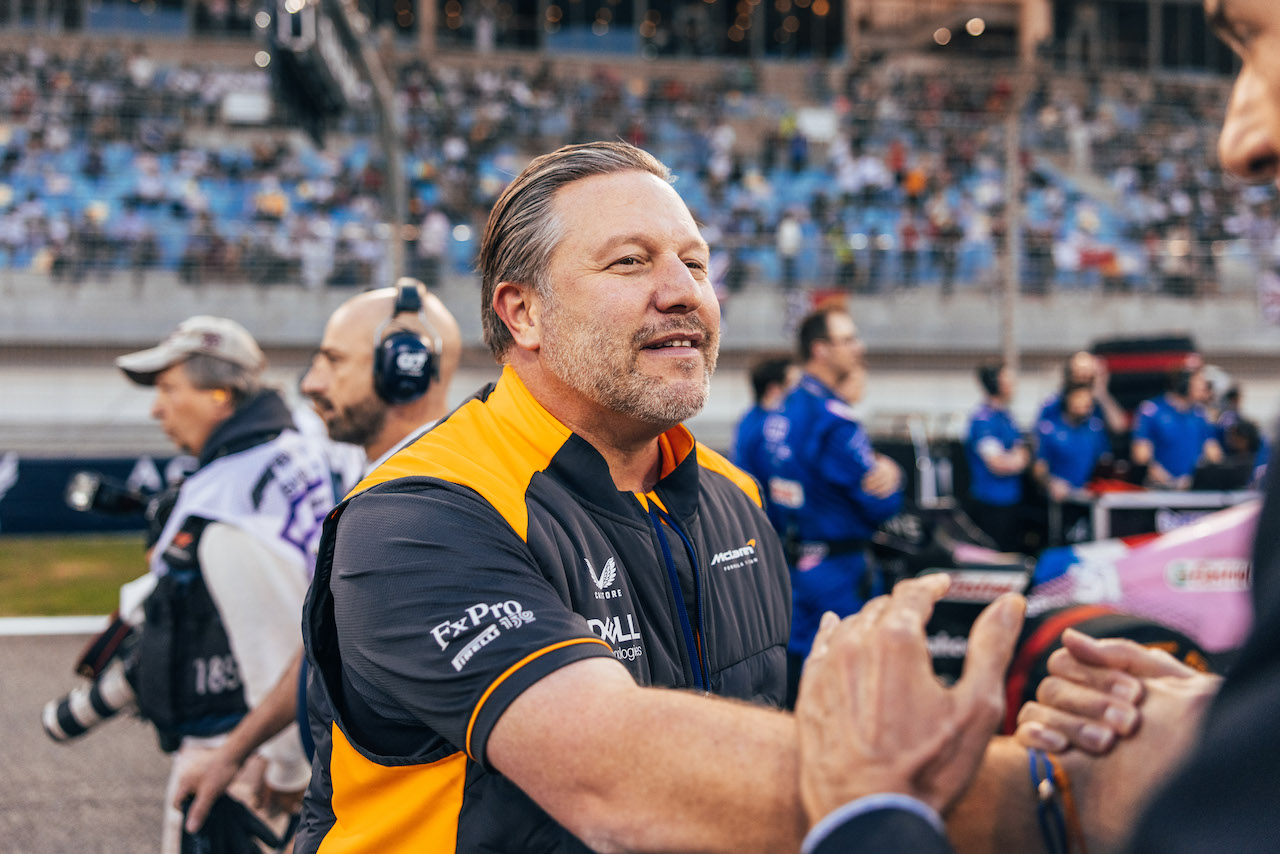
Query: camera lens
[{"x": 87, "y": 706}]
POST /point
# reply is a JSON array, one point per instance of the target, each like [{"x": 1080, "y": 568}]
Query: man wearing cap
[
  {"x": 340, "y": 384},
  {"x": 233, "y": 559}
]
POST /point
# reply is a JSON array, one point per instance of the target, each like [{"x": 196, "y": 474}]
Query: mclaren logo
[{"x": 737, "y": 556}]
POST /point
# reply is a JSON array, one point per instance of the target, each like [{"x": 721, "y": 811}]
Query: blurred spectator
[
  {"x": 790, "y": 240},
  {"x": 433, "y": 244}
]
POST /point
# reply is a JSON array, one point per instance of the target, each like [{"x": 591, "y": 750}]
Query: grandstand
[{"x": 143, "y": 180}]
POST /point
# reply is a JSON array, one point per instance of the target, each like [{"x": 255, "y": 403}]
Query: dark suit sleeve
[
  {"x": 884, "y": 831},
  {"x": 1226, "y": 798},
  {"x": 885, "y": 823}
]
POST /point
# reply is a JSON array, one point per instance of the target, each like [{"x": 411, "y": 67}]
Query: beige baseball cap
[{"x": 213, "y": 336}]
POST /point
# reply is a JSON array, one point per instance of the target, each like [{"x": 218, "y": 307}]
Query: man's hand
[
  {"x": 1094, "y": 690},
  {"x": 204, "y": 780},
  {"x": 883, "y": 479},
  {"x": 1059, "y": 489},
  {"x": 873, "y": 717}
]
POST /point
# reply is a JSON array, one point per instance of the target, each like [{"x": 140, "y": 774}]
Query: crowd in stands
[{"x": 113, "y": 161}]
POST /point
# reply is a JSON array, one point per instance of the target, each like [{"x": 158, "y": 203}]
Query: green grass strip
[{"x": 67, "y": 575}]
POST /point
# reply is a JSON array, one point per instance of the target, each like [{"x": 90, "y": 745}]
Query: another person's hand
[
  {"x": 873, "y": 717},
  {"x": 1112, "y": 790},
  {"x": 1094, "y": 692},
  {"x": 1059, "y": 489},
  {"x": 883, "y": 479},
  {"x": 205, "y": 779}
]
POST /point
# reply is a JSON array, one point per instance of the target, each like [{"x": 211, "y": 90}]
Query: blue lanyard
[{"x": 696, "y": 657}]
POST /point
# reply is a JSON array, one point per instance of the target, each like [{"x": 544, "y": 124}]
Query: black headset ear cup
[{"x": 404, "y": 365}]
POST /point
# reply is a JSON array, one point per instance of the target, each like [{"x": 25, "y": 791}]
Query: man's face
[
  {"x": 854, "y": 385},
  {"x": 1005, "y": 382},
  {"x": 1198, "y": 388},
  {"x": 631, "y": 323},
  {"x": 1082, "y": 368},
  {"x": 340, "y": 382},
  {"x": 188, "y": 415},
  {"x": 1078, "y": 404},
  {"x": 1250, "y": 141},
  {"x": 842, "y": 348}
]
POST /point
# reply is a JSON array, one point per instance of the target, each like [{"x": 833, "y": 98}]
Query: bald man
[{"x": 380, "y": 379}]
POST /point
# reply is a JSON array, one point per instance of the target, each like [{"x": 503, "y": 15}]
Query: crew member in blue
[
  {"x": 1083, "y": 368},
  {"x": 1172, "y": 436},
  {"x": 997, "y": 457},
  {"x": 1068, "y": 450},
  {"x": 771, "y": 379},
  {"x": 830, "y": 489}
]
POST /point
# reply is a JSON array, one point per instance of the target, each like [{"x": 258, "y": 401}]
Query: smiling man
[{"x": 502, "y": 603}]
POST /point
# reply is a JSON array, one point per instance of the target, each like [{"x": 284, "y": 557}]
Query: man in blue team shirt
[
  {"x": 1171, "y": 434},
  {"x": 1069, "y": 448},
  {"x": 770, "y": 381},
  {"x": 829, "y": 488},
  {"x": 997, "y": 457},
  {"x": 1083, "y": 368}
]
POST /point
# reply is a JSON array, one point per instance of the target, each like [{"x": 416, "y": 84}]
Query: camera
[
  {"x": 88, "y": 705},
  {"x": 90, "y": 490}
]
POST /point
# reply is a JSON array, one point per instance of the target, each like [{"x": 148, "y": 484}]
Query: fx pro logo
[{"x": 475, "y": 615}]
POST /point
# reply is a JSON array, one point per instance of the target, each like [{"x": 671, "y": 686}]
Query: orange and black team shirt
[{"x": 487, "y": 554}]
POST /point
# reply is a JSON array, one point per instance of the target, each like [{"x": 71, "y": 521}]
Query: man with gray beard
[{"x": 556, "y": 622}]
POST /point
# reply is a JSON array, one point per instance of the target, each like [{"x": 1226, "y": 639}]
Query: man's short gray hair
[
  {"x": 209, "y": 372},
  {"x": 523, "y": 229}
]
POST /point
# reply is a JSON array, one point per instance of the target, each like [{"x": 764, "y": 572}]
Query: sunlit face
[
  {"x": 1006, "y": 380},
  {"x": 854, "y": 385},
  {"x": 1250, "y": 142},
  {"x": 1082, "y": 368},
  {"x": 842, "y": 349},
  {"x": 1198, "y": 388},
  {"x": 1078, "y": 404},
  {"x": 188, "y": 415},
  {"x": 631, "y": 324},
  {"x": 340, "y": 381}
]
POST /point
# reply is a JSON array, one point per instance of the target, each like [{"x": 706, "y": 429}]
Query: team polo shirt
[
  {"x": 989, "y": 424},
  {"x": 485, "y": 556},
  {"x": 1072, "y": 450},
  {"x": 1177, "y": 436},
  {"x": 1051, "y": 411}
]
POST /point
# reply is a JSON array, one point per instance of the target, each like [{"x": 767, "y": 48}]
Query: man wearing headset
[
  {"x": 380, "y": 379},
  {"x": 232, "y": 561}
]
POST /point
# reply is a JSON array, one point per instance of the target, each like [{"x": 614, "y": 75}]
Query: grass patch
[{"x": 67, "y": 574}]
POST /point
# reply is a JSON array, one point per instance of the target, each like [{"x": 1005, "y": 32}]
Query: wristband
[{"x": 1053, "y": 827}]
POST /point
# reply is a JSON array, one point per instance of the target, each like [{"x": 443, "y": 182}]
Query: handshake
[{"x": 877, "y": 729}]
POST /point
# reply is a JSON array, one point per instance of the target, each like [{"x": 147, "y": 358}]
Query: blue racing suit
[
  {"x": 820, "y": 455},
  {"x": 751, "y": 449}
]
